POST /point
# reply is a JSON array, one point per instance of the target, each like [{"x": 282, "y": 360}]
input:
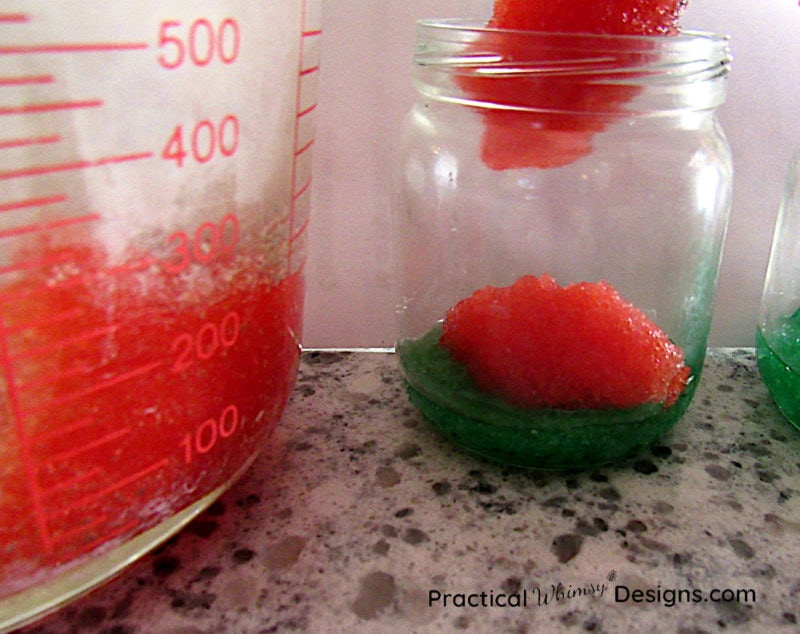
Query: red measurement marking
[
  {"x": 48, "y": 226},
  {"x": 46, "y": 321},
  {"x": 120, "y": 484},
  {"x": 98, "y": 442},
  {"x": 28, "y": 462},
  {"x": 33, "y": 264},
  {"x": 78, "y": 280},
  {"x": 33, "y": 202},
  {"x": 131, "y": 267},
  {"x": 65, "y": 343},
  {"x": 97, "y": 387},
  {"x": 66, "y": 536},
  {"x": 300, "y": 232},
  {"x": 74, "y": 426},
  {"x": 51, "y": 379},
  {"x": 129, "y": 526},
  {"x": 299, "y": 193},
  {"x": 307, "y": 111},
  {"x": 66, "y": 485},
  {"x": 76, "y": 47},
  {"x": 304, "y": 149},
  {"x": 54, "y": 106},
  {"x": 41, "y": 170},
  {"x": 26, "y": 80},
  {"x": 299, "y": 114},
  {"x": 39, "y": 140},
  {"x": 13, "y": 18},
  {"x": 28, "y": 293}
]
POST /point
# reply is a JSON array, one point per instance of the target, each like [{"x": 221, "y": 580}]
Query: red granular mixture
[
  {"x": 619, "y": 17},
  {"x": 128, "y": 396}
]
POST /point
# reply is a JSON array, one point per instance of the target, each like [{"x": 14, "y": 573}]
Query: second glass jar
[{"x": 583, "y": 157}]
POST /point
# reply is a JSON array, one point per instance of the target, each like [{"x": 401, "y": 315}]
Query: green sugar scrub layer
[
  {"x": 516, "y": 375},
  {"x": 778, "y": 352},
  {"x": 543, "y": 438}
]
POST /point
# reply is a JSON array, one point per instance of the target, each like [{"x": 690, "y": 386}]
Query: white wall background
[{"x": 365, "y": 91}]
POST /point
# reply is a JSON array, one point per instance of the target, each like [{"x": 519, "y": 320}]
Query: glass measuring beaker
[{"x": 154, "y": 197}]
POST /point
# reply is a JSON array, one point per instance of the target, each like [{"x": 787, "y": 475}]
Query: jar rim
[
  {"x": 472, "y": 25},
  {"x": 451, "y": 54}
]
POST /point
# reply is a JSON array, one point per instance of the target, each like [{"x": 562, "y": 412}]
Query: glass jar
[
  {"x": 584, "y": 157},
  {"x": 778, "y": 333}
]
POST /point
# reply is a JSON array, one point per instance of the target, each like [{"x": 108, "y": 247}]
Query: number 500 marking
[{"x": 198, "y": 43}]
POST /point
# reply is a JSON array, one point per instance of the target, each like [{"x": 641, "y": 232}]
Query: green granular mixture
[
  {"x": 778, "y": 353},
  {"x": 538, "y": 438}
]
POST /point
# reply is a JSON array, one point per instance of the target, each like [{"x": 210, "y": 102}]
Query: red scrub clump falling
[{"x": 548, "y": 119}]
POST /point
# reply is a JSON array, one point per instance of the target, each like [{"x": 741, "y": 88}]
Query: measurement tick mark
[
  {"x": 299, "y": 193},
  {"x": 36, "y": 108},
  {"x": 48, "y": 226},
  {"x": 33, "y": 202},
  {"x": 307, "y": 111},
  {"x": 121, "y": 530},
  {"x": 73, "y": 47},
  {"x": 25, "y": 142},
  {"x": 132, "y": 267},
  {"x": 26, "y": 80},
  {"x": 49, "y": 320},
  {"x": 72, "y": 427},
  {"x": 98, "y": 442},
  {"x": 69, "y": 483},
  {"x": 34, "y": 264},
  {"x": 97, "y": 387},
  {"x": 13, "y": 18},
  {"x": 304, "y": 149},
  {"x": 50, "y": 379},
  {"x": 41, "y": 170},
  {"x": 67, "y": 535},
  {"x": 69, "y": 341},
  {"x": 299, "y": 232},
  {"x": 120, "y": 484}
]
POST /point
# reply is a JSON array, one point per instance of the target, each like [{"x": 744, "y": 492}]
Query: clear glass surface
[
  {"x": 155, "y": 164},
  {"x": 586, "y": 158},
  {"x": 778, "y": 334}
]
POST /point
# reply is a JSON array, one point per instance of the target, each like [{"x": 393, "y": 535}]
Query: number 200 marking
[{"x": 209, "y": 339}]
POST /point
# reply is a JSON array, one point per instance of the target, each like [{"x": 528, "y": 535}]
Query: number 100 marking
[{"x": 209, "y": 433}]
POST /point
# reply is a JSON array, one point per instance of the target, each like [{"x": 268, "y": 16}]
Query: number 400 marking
[{"x": 203, "y": 141}]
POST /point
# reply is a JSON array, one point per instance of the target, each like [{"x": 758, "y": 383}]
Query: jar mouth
[
  {"x": 471, "y": 63},
  {"x": 472, "y": 25},
  {"x": 467, "y": 46}
]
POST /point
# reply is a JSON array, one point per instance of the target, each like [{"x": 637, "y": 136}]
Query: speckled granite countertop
[{"x": 359, "y": 518}]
